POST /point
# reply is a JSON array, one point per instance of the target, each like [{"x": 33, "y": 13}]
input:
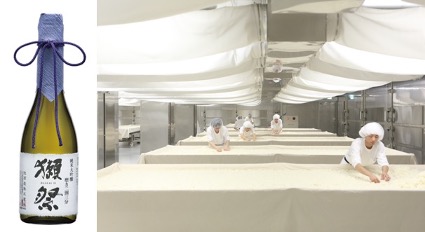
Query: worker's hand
[
  {"x": 226, "y": 148},
  {"x": 385, "y": 176},
  {"x": 218, "y": 149},
  {"x": 374, "y": 179}
]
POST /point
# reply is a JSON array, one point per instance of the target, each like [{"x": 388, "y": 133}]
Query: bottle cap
[{"x": 50, "y": 27}]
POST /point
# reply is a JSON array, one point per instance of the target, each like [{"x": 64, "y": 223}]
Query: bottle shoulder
[{"x": 49, "y": 124}]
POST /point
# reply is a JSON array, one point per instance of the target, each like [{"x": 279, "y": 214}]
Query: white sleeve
[
  {"x": 225, "y": 134},
  {"x": 353, "y": 154},
  {"x": 209, "y": 135},
  {"x": 381, "y": 158}
]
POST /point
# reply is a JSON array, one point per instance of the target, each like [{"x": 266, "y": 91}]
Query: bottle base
[{"x": 48, "y": 220}]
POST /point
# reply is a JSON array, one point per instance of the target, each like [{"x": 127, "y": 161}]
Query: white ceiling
[{"x": 251, "y": 51}]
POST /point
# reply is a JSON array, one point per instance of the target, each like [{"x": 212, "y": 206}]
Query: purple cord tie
[{"x": 42, "y": 45}]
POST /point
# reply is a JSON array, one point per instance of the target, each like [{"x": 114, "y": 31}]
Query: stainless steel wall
[
  {"x": 107, "y": 134},
  {"x": 308, "y": 114},
  {"x": 184, "y": 122},
  {"x": 409, "y": 117},
  {"x": 154, "y": 125},
  {"x": 328, "y": 115},
  {"x": 129, "y": 115},
  {"x": 354, "y": 108},
  {"x": 164, "y": 124},
  {"x": 399, "y": 107}
]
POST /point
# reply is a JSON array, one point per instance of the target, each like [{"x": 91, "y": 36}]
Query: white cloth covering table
[
  {"x": 260, "y": 154},
  {"x": 231, "y": 126},
  {"x": 258, "y": 197},
  {"x": 275, "y": 140},
  {"x": 128, "y": 133},
  {"x": 233, "y": 133}
]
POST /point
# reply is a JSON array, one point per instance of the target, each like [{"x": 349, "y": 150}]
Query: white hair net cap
[
  {"x": 216, "y": 122},
  {"x": 276, "y": 116},
  {"x": 247, "y": 124},
  {"x": 372, "y": 128}
]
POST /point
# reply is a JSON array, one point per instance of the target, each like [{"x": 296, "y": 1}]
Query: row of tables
[{"x": 290, "y": 182}]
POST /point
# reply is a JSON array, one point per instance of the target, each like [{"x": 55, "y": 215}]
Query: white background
[{"x": 18, "y": 25}]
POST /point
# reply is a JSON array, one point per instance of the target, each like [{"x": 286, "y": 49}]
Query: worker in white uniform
[
  {"x": 218, "y": 135},
  {"x": 247, "y": 132},
  {"x": 276, "y": 125},
  {"x": 250, "y": 119},
  {"x": 239, "y": 123},
  {"x": 368, "y": 150}
]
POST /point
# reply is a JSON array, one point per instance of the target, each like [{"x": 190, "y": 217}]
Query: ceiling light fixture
[{"x": 276, "y": 79}]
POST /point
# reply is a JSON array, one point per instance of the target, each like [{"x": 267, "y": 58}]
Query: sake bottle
[{"x": 49, "y": 152}]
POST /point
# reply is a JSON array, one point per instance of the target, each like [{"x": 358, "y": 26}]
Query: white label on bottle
[{"x": 48, "y": 184}]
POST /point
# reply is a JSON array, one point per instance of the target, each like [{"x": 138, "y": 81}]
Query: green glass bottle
[{"x": 49, "y": 151}]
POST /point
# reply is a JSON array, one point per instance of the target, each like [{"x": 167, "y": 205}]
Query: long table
[
  {"x": 275, "y": 140},
  {"x": 231, "y": 127},
  {"x": 234, "y": 133},
  {"x": 260, "y": 154},
  {"x": 258, "y": 197}
]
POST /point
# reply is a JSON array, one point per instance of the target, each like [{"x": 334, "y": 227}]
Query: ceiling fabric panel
[
  {"x": 244, "y": 67},
  {"x": 213, "y": 56},
  {"x": 240, "y": 80},
  {"x": 296, "y": 89},
  {"x": 181, "y": 37},
  {"x": 243, "y": 96},
  {"x": 419, "y": 2},
  {"x": 373, "y": 47},
  {"x": 295, "y": 98},
  {"x": 393, "y": 32},
  {"x": 110, "y": 12},
  {"x": 227, "y": 94},
  {"x": 331, "y": 69},
  {"x": 326, "y": 82},
  {"x": 313, "y": 6},
  {"x": 226, "y": 60},
  {"x": 334, "y": 53}
]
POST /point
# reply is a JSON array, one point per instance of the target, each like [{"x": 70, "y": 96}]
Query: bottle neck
[
  {"x": 50, "y": 73},
  {"x": 49, "y": 65}
]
